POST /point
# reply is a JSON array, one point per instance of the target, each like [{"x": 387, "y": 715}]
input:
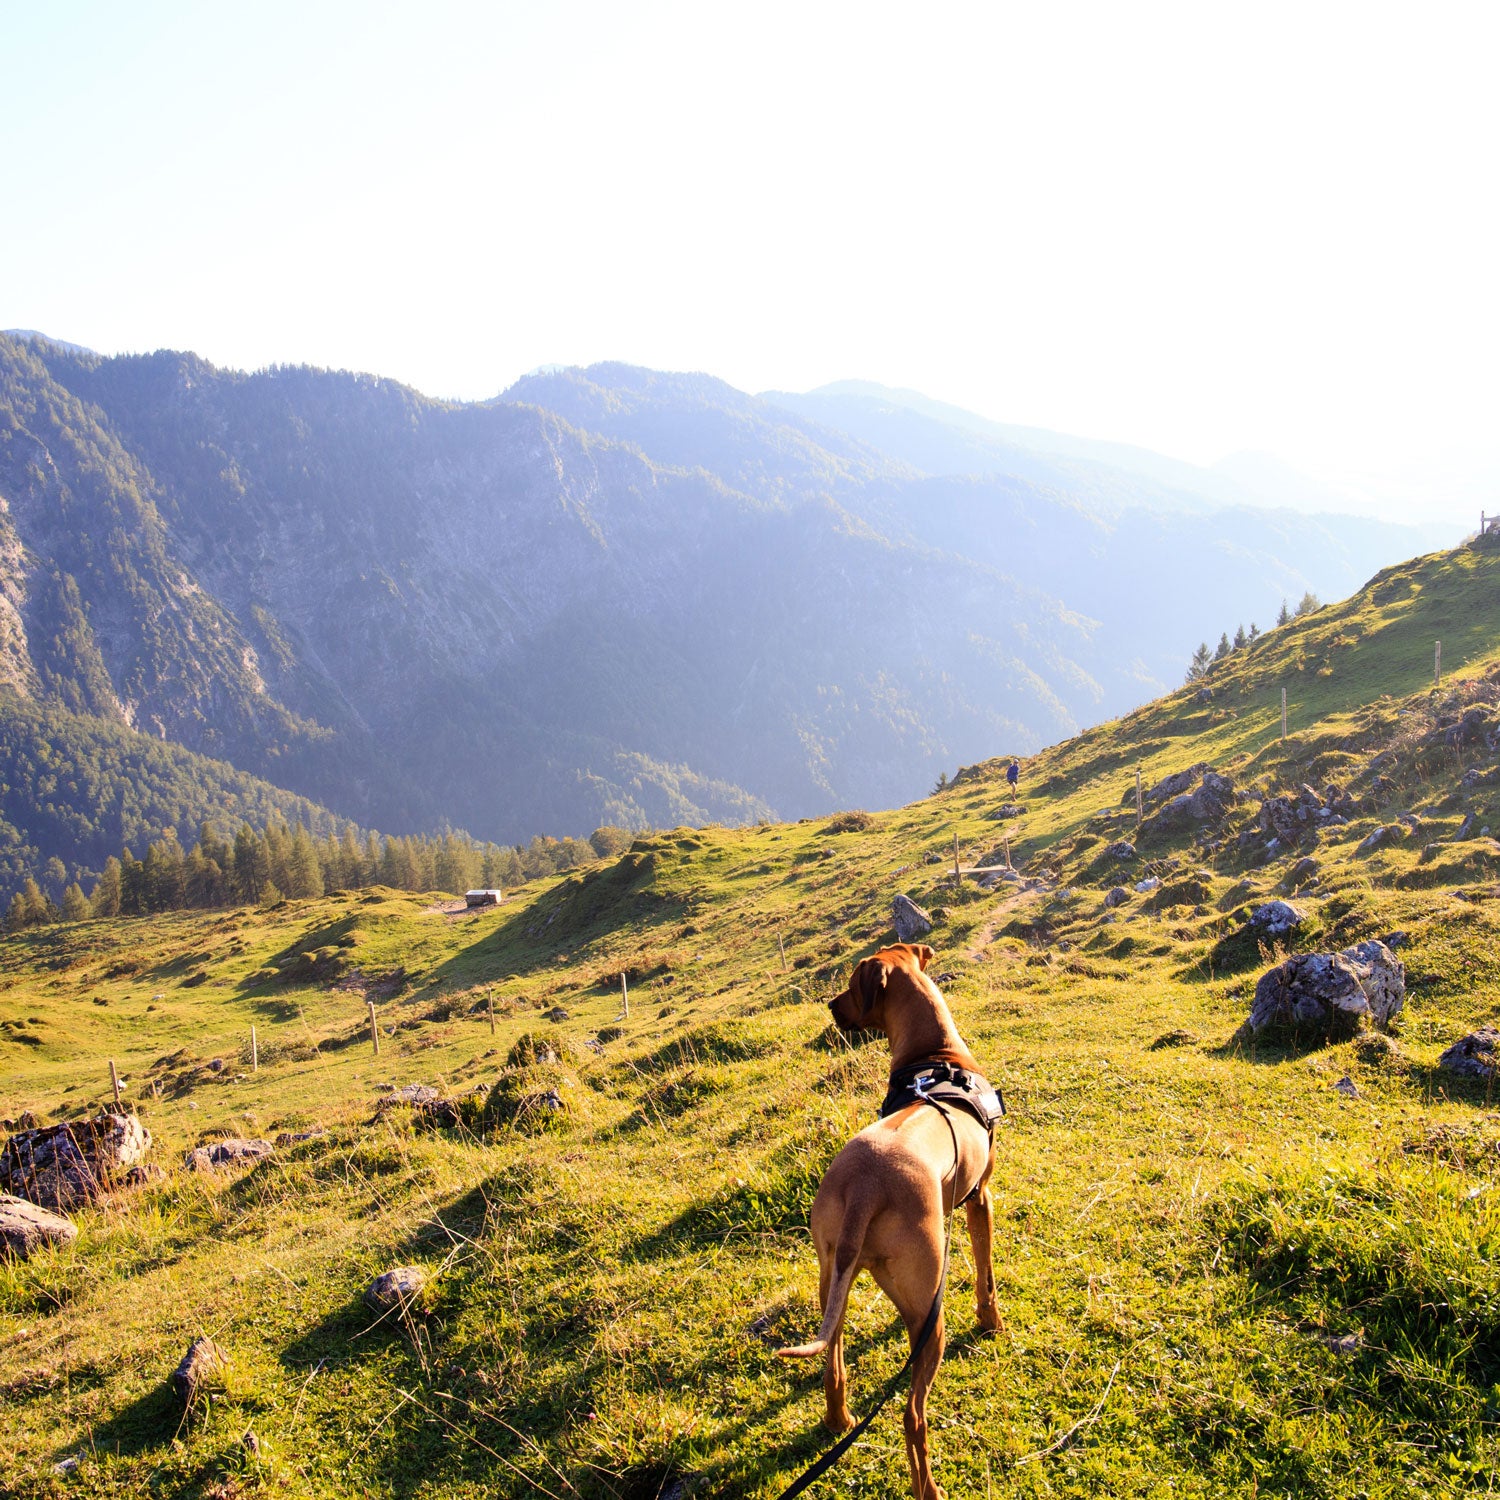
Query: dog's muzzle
[{"x": 846, "y": 1027}]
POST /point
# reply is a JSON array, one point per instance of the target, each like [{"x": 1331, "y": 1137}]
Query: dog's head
[{"x": 861, "y": 1007}]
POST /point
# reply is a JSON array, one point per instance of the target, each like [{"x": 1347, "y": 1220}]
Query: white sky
[{"x": 1196, "y": 227}]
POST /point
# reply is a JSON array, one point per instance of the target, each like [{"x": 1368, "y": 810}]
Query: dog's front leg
[{"x": 981, "y": 1215}]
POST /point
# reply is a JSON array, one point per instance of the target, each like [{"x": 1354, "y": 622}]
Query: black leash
[{"x": 848, "y": 1440}]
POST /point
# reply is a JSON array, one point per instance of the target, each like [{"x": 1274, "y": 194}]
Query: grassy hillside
[{"x": 1238, "y": 1278}]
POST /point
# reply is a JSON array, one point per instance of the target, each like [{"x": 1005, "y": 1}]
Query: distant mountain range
[{"x": 610, "y": 595}]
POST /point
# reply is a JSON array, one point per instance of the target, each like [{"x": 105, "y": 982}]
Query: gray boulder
[
  {"x": 25, "y": 1228},
  {"x": 1117, "y": 897},
  {"x": 1175, "y": 784},
  {"x": 1330, "y": 994},
  {"x": 1275, "y": 919},
  {"x": 1206, "y": 803},
  {"x": 1474, "y": 1056},
  {"x": 62, "y": 1166},
  {"x": 1120, "y": 849},
  {"x": 1387, "y": 833},
  {"x": 234, "y": 1152},
  {"x": 909, "y": 920},
  {"x": 1008, "y": 810},
  {"x": 201, "y": 1366},
  {"x": 398, "y": 1287}
]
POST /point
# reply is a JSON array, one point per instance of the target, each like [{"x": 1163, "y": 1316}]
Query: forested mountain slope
[{"x": 612, "y": 597}]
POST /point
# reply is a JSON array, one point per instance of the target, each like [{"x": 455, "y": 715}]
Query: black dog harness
[{"x": 945, "y": 1087}]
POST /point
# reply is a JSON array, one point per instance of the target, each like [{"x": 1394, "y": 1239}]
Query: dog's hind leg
[
  {"x": 980, "y": 1212},
  {"x": 913, "y": 1290},
  {"x": 837, "y": 1418}
]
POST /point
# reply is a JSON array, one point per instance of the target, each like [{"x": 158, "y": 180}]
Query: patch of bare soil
[{"x": 999, "y": 915}]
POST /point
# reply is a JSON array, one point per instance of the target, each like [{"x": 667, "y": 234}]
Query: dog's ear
[
  {"x": 924, "y": 954},
  {"x": 869, "y": 980}
]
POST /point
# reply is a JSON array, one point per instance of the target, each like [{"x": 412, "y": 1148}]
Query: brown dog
[{"x": 883, "y": 1204}]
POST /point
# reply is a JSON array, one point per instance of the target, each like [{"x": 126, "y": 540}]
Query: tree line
[
  {"x": 1204, "y": 660},
  {"x": 280, "y": 861}
]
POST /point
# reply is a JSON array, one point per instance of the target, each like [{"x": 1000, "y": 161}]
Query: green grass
[{"x": 1284, "y": 1290}]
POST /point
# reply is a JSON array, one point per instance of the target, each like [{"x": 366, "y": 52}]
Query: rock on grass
[
  {"x": 1474, "y": 1056},
  {"x": 25, "y": 1228},
  {"x": 1330, "y": 994}
]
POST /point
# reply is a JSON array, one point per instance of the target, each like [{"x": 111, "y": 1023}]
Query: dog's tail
[{"x": 857, "y": 1218}]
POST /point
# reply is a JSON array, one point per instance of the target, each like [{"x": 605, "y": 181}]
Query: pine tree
[
  {"x": 1308, "y": 603},
  {"x": 1198, "y": 667},
  {"x": 106, "y": 898},
  {"x": 1240, "y": 638},
  {"x": 75, "y": 905},
  {"x": 1283, "y": 615},
  {"x": 1223, "y": 648},
  {"x": 1254, "y": 631}
]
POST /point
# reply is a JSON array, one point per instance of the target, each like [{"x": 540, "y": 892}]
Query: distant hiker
[{"x": 1013, "y": 775}]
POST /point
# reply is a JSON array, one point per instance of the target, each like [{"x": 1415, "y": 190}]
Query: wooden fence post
[
  {"x": 114, "y": 1082},
  {"x": 1283, "y": 713},
  {"x": 1140, "y": 806},
  {"x": 956, "y": 876},
  {"x": 254, "y": 1052},
  {"x": 624, "y": 995},
  {"x": 781, "y": 948},
  {"x": 374, "y": 1029},
  {"x": 489, "y": 1005},
  {"x": 1437, "y": 664}
]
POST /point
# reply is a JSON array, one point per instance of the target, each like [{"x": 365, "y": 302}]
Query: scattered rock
[
  {"x": 296, "y": 1137},
  {"x": 910, "y": 921},
  {"x": 1386, "y": 833},
  {"x": 1398, "y": 939},
  {"x": 216, "y": 1065},
  {"x": 1207, "y": 803},
  {"x": 1346, "y": 1344},
  {"x": 409, "y": 1093},
  {"x": 24, "y": 1227},
  {"x": 1150, "y": 883},
  {"x": 1347, "y": 1087},
  {"x": 1330, "y": 994},
  {"x": 1120, "y": 849},
  {"x": 1117, "y": 897},
  {"x": 398, "y": 1287},
  {"x": 1303, "y": 872},
  {"x": 557, "y": 1015},
  {"x": 233, "y": 1152},
  {"x": 1275, "y": 919},
  {"x": 1292, "y": 818},
  {"x": 1474, "y": 1056},
  {"x": 1008, "y": 810},
  {"x": 61, "y": 1166},
  {"x": 1466, "y": 827},
  {"x": 201, "y": 1366}
]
